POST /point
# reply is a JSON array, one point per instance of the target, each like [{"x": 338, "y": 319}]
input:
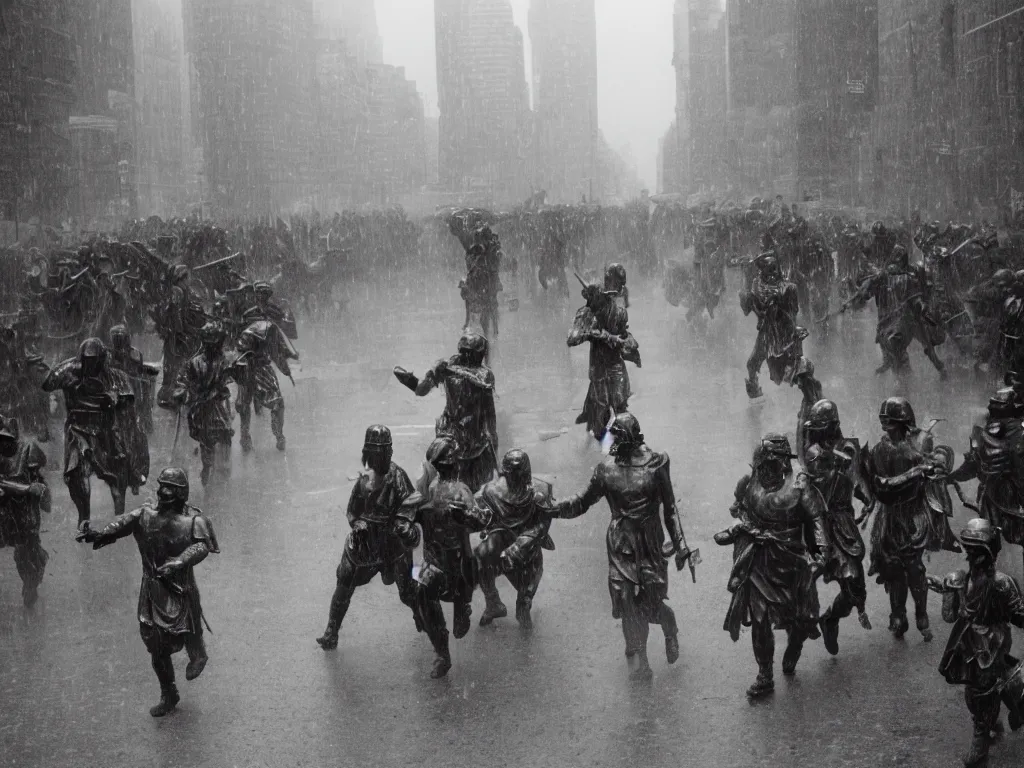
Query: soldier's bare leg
[
  {"x": 79, "y": 488},
  {"x": 30, "y": 560},
  {"x": 340, "y": 601},
  {"x": 487, "y": 553},
  {"x": 918, "y": 585}
]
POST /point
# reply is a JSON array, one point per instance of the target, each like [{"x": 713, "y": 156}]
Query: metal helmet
[
  {"x": 777, "y": 446},
  {"x": 120, "y": 338},
  {"x": 625, "y": 429},
  {"x": 768, "y": 263},
  {"x": 441, "y": 452},
  {"x": 897, "y": 410},
  {"x": 516, "y": 463},
  {"x": 899, "y": 254},
  {"x": 818, "y": 459},
  {"x": 212, "y": 334},
  {"x": 878, "y": 229},
  {"x": 1005, "y": 402},
  {"x": 179, "y": 272},
  {"x": 473, "y": 342},
  {"x": 263, "y": 288},
  {"x": 177, "y": 478},
  {"x": 980, "y": 533},
  {"x": 8, "y": 428},
  {"x": 92, "y": 347},
  {"x": 823, "y": 414},
  {"x": 377, "y": 436}
]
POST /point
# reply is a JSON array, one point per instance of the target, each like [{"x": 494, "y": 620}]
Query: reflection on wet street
[{"x": 75, "y": 679}]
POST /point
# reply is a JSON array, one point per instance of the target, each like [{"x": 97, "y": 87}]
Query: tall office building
[
  {"x": 484, "y": 109},
  {"x": 563, "y": 37}
]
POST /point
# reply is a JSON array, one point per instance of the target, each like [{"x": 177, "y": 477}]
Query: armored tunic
[
  {"x": 377, "y": 501},
  {"x": 266, "y": 347},
  {"x": 203, "y": 384},
  {"x": 996, "y": 459},
  {"x": 20, "y": 512},
  {"x": 772, "y": 580},
  {"x": 637, "y": 487},
  {"x": 169, "y": 607}
]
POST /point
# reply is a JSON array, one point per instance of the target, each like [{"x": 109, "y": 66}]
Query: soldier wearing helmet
[
  {"x": 898, "y": 468},
  {"x": 637, "y": 484},
  {"x": 178, "y": 321},
  {"x": 780, "y": 546},
  {"x": 902, "y": 294},
  {"x": 141, "y": 374},
  {"x": 996, "y": 460},
  {"x": 267, "y": 307},
  {"x": 261, "y": 346},
  {"x": 382, "y": 534},
  {"x": 481, "y": 286},
  {"x": 202, "y": 388},
  {"x": 99, "y": 428},
  {"x": 615, "y": 282},
  {"x": 775, "y": 302},
  {"x": 986, "y": 301},
  {"x": 1011, "y": 325},
  {"x": 514, "y": 514},
  {"x": 23, "y": 496},
  {"x": 173, "y": 537},
  {"x": 605, "y": 324},
  {"x": 469, "y": 417},
  {"x": 447, "y": 571},
  {"x": 981, "y": 603}
]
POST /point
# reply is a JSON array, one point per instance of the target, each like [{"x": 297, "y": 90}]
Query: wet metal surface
[{"x": 75, "y": 680}]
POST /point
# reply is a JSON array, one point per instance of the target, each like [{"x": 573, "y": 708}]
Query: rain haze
[{"x": 598, "y": 383}]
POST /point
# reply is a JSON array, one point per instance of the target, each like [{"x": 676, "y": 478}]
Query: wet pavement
[{"x": 75, "y": 680}]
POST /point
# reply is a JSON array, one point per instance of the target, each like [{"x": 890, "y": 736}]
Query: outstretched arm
[{"x": 577, "y": 505}]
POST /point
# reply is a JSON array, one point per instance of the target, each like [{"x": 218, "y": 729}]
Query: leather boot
[
  {"x": 523, "y": 605},
  {"x": 672, "y": 648},
  {"x": 639, "y": 667},
  {"x": 493, "y": 608},
  {"x": 197, "y": 658},
  {"x": 924, "y": 627},
  {"x": 830, "y": 632},
  {"x": 329, "y": 639},
  {"x": 763, "y": 684},
  {"x": 168, "y": 701},
  {"x": 791, "y": 657},
  {"x": 460, "y": 624},
  {"x": 978, "y": 753},
  {"x": 443, "y": 659}
]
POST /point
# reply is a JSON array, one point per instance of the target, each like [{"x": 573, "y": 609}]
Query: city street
[{"x": 75, "y": 679}]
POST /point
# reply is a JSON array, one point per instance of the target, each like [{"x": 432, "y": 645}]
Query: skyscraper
[
  {"x": 482, "y": 98},
  {"x": 563, "y": 36},
  {"x": 254, "y": 67}
]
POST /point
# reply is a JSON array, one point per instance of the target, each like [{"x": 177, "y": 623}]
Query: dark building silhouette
[
  {"x": 563, "y": 39},
  {"x": 483, "y": 146}
]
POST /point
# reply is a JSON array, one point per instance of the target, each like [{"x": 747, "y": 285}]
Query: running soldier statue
[
  {"x": 128, "y": 359},
  {"x": 981, "y": 603},
  {"x": 780, "y": 547},
  {"x": 773, "y": 299},
  {"x": 833, "y": 465},
  {"x": 382, "y": 537},
  {"x": 996, "y": 460},
  {"x": 23, "y": 495},
  {"x": 482, "y": 284},
  {"x": 901, "y": 292},
  {"x": 514, "y": 515},
  {"x": 447, "y": 571},
  {"x": 637, "y": 485},
  {"x": 261, "y": 346},
  {"x": 605, "y": 324},
  {"x": 469, "y": 417},
  {"x": 178, "y": 322},
  {"x": 100, "y": 430},
  {"x": 202, "y": 387},
  {"x": 173, "y": 537},
  {"x": 898, "y": 469}
]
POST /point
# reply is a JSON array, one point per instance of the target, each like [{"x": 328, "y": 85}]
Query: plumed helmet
[
  {"x": 1004, "y": 402},
  {"x": 377, "y": 436},
  {"x": 120, "y": 338},
  {"x": 897, "y": 410},
  {"x": 980, "y": 533},
  {"x": 92, "y": 348},
  {"x": 174, "y": 477},
  {"x": 516, "y": 462},
  {"x": 179, "y": 272},
  {"x": 626, "y": 429},
  {"x": 212, "y": 333},
  {"x": 823, "y": 414},
  {"x": 473, "y": 342},
  {"x": 441, "y": 452}
]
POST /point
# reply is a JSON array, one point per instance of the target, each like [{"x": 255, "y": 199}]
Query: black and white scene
[{"x": 519, "y": 383}]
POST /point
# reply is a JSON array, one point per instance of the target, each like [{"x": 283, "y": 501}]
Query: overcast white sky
[{"x": 636, "y": 82}]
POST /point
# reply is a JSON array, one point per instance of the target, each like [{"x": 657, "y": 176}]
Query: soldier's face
[{"x": 771, "y": 472}]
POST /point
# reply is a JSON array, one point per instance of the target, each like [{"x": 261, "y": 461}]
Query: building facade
[
  {"x": 37, "y": 98},
  {"x": 483, "y": 144},
  {"x": 563, "y": 38}
]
